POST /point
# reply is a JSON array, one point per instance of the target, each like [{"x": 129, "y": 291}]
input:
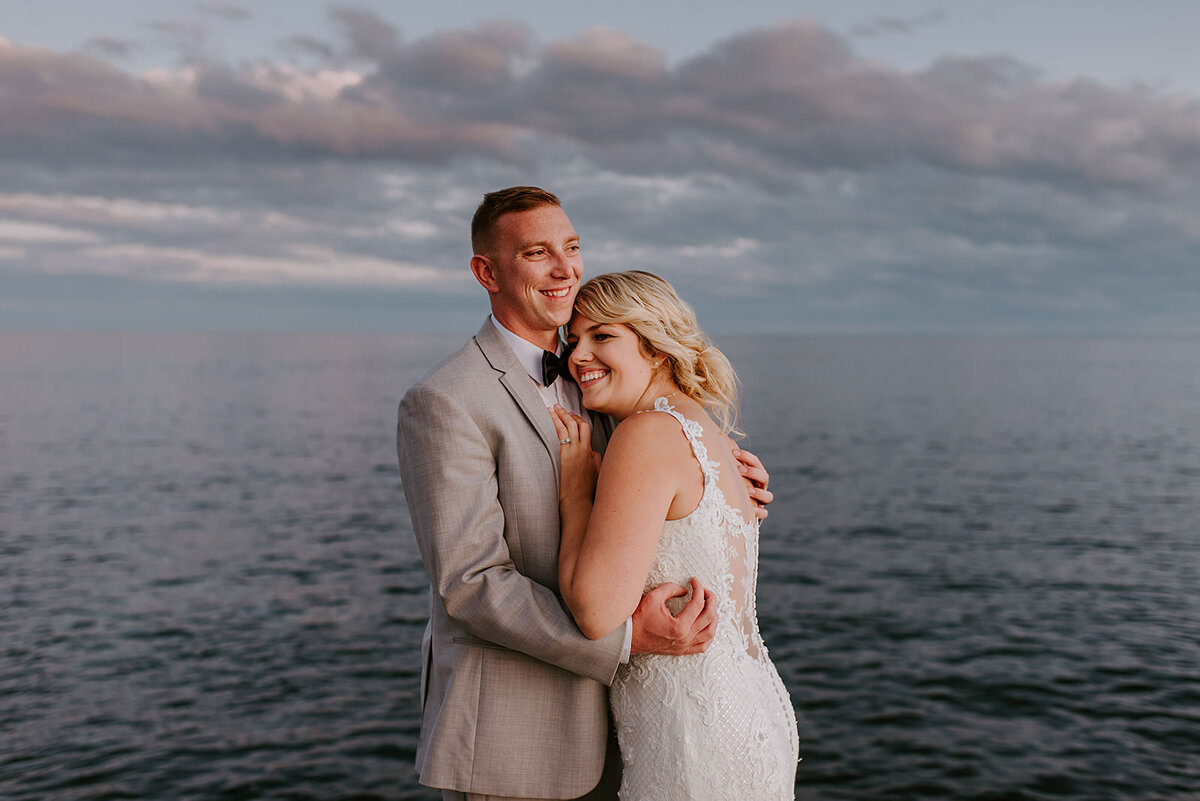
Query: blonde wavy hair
[{"x": 666, "y": 327}]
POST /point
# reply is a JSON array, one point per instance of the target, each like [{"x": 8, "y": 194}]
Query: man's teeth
[
  {"x": 557, "y": 293},
  {"x": 591, "y": 375}
]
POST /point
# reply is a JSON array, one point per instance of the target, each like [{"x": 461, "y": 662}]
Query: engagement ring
[{"x": 564, "y": 441}]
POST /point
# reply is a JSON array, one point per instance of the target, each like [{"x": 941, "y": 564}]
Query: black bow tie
[{"x": 554, "y": 366}]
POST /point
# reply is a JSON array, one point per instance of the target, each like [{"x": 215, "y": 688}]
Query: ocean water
[{"x": 979, "y": 576}]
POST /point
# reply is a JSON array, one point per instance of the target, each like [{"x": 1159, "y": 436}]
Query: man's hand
[
  {"x": 657, "y": 631},
  {"x": 757, "y": 478}
]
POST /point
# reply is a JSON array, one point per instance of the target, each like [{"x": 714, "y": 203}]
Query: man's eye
[{"x": 573, "y": 248}]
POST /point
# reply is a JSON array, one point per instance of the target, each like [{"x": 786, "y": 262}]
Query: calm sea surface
[{"x": 980, "y": 578}]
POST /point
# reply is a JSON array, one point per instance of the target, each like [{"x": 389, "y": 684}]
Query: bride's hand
[{"x": 580, "y": 464}]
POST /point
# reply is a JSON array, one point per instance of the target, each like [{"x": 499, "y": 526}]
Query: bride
[{"x": 668, "y": 505}]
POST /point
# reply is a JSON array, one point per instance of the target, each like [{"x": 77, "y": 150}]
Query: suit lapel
[{"x": 520, "y": 386}]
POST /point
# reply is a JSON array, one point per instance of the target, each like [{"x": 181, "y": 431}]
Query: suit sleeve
[{"x": 449, "y": 477}]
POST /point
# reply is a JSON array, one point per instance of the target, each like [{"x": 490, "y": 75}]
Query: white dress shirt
[{"x": 561, "y": 391}]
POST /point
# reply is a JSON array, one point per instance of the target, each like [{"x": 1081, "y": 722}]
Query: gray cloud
[
  {"x": 778, "y": 178},
  {"x": 187, "y": 35},
  {"x": 310, "y": 46},
  {"x": 230, "y": 90},
  {"x": 71, "y": 107},
  {"x": 227, "y": 11},
  {"x": 371, "y": 38},
  {"x": 470, "y": 62},
  {"x": 768, "y": 105},
  {"x": 109, "y": 47},
  {"x": 898, "y": 26}
]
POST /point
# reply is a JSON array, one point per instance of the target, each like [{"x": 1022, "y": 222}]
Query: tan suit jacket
[{"x": 514, "y": 698}]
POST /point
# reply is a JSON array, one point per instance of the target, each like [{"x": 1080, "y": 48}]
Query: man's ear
[{"x": 485, "y": 273}]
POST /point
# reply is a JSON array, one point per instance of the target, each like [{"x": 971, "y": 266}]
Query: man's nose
[{"x": 561, "y": 265}]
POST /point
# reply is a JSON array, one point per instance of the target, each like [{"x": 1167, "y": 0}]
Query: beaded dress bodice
[{"x": 716, "y": 725}]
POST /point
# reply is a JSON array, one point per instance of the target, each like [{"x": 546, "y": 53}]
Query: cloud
[
  {"x": 777, "y": 171},
  {"x": 82, "y": 210},
  {"x": 66, "y": 108},
  {"x": 187, "y": 35},
  {"x": 767, "y": 106},
  {"x": 898, "y": 26},
  {"x": 302, "y": 226},
  {"x": 28, "y": 232},
  {"x": 227, "y": 11},
  {"x": 109, "y": 47},
  {"x": 371, "y": 38},
  {"x": 297, "y": 266},
  {"x": 463, "y": 63},
  {"x": 310, "y": 46}
]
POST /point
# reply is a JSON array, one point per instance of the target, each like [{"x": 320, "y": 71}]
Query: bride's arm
[{"x": 608, "y": 544}]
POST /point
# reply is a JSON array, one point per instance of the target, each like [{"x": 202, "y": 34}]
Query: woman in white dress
[{"x": 668, "y": 504}]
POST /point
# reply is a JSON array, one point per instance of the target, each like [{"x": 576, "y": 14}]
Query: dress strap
[{"x": 694, "y": 433}]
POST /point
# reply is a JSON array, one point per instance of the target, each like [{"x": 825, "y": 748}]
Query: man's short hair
[{"x": 504, "y": 201}]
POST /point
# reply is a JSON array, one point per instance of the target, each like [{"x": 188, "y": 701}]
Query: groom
[{"x": 514, "y": 699}]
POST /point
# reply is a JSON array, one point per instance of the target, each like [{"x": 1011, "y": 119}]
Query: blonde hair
[{"x": 667, "y": 327}]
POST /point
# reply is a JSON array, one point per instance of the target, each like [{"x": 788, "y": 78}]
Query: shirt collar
[{"x": 528, "y": 354}]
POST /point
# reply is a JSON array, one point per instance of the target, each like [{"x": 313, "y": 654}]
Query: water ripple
[{"x": 978, "y": 577}]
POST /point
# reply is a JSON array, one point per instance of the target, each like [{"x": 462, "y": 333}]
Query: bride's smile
[{"x": 609, "y": 363}]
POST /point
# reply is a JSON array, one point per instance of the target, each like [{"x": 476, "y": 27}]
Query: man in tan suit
[{"x": 514, "y": 698}]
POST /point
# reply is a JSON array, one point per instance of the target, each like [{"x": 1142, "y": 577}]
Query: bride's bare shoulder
[{"x": 652, "y": 435}]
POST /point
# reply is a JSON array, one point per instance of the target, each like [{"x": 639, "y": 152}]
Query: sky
[{"x": 876, "y": 168}]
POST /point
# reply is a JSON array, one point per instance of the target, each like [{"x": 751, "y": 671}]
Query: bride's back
[
  {"x": 715, "y": 725},
  {"x": 711, "y": 528}
]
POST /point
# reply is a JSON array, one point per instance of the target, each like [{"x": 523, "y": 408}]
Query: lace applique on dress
[{"x": 717, "y": 725}]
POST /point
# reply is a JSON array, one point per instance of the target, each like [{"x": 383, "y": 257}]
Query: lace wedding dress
[{"x": 717, "y": 725}]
